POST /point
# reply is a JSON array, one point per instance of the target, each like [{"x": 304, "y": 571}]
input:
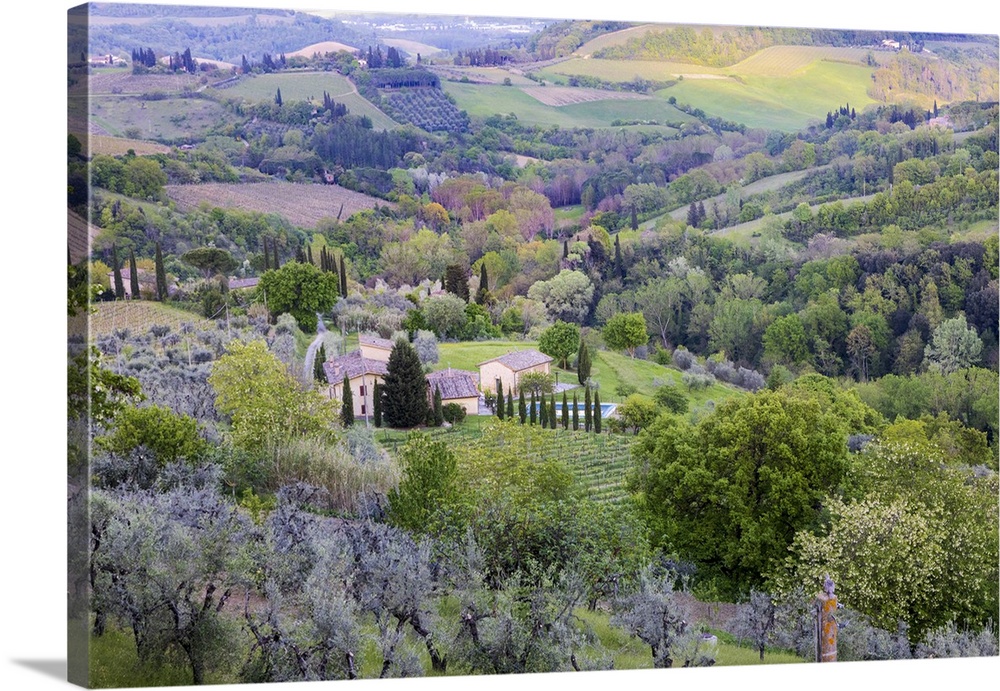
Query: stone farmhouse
[
  {"x": 508, "y": 369},
  {"x": 362, "y": 373},
  {"x": 375, "y": 348}
]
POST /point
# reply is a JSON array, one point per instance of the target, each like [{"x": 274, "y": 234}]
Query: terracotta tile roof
[
  {"x": 454, "y": 383},
  {"x": 237, "y": 283},
  {"x": 520, "y": 360},
  {"x": 376, "y": 342},
  {"x": 353, "y": 365}
]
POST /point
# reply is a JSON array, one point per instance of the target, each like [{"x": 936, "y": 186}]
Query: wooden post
[{"x": 826, "y": 624}]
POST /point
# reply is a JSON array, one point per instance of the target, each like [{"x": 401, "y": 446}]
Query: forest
[{"x": 797, "y": 332}]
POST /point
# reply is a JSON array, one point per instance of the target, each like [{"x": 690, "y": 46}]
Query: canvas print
[{"x": 420, "y": 345}]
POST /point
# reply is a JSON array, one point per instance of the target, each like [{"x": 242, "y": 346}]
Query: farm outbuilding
[{"x": 456, "y": 386}]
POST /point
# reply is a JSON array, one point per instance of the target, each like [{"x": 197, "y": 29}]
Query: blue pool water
[{"x": 606, "y": 410}]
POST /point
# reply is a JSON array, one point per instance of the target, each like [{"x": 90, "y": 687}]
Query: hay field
[
  {"x": 304, "y": 205},
  {"x": 321, "y": 48},
  {"x": 119, "y": 146},
  {"x": 410, "y": 47}
]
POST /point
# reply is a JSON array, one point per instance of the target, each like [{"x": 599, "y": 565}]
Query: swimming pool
[{"x": 607, "y": 409}]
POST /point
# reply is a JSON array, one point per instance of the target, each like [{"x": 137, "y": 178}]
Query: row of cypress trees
[
  {"x": 538, "y": 411},
  {"x": 119, "y": 283}
]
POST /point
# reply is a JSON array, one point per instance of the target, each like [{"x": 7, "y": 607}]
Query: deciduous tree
[{"x": 301, "y": 290}]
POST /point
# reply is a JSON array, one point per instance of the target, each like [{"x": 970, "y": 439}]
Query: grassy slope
[
  {"x": 783, "y": 87},
  {"x": 787, "y": 103},
  {"x": 167, "y": 119},
  {"x": 482, "y": 100},
  {"x": 610, "y": 370},
  {"x": 301, "y": 86}
]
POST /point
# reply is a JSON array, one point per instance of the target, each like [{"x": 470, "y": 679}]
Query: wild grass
[{"x": 309, "y": 86}]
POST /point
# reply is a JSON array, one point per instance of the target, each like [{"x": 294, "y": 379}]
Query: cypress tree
[
  {"x": 576, "y": 414},
  {"x": 522, "y": 408},
  {"x": 500, "y": 405},
  {"x": 119, "y": 284},
  {"x": 619, "y": 264},
  {"x": 343, "y": 277},
  {"x": 587, "y": 418},
  {"x": 438, "y": 411},
  {"x": 510, "y": 404},
  {"x": 484, "y": 285},
  {"x": 552, "y": 412},
  {"x": 274, "y": 246},
  {"x": 161, "y": 275},
  {"x": 583, "y": 363},
  {"x": 597, "y": 412},
  {"x": 565, "y": 412},
  {"x": 377, "y": 404},
  {"x": 347, "y": 405},
  {"x": 319, "y": 374},
  {"x": 133, "y": 278},
  {"x": 404, "y": 388},
  {"x": 533, "y": 411},
  {"x": 267, "y": 257},
  {"x": 543, "y": 412},
  {"x": 300, "y": 255}
]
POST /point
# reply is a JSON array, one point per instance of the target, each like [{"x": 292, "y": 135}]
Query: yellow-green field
[
  {"x": 782, "y": 87},
  {"x": 309, "y": 86},
  {"x": 785, "y": 103}
]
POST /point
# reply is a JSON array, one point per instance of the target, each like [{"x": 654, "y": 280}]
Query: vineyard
[
  {"x": 136, "y": 316},
  {"x": 427, "y": 108},
  {"x": 124, "y": 82},
  {"x": 566, "y": 95},
  {"x": 304, "y": 205},
  {"x": 599, "y": 461}
]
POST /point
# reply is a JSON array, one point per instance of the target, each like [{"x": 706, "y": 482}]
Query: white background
[{"x": 33, "y": 251}]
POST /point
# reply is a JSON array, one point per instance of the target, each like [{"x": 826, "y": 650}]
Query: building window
[
  {"x": 362, "y": 391},
  {"x": 363, "y": 411}
]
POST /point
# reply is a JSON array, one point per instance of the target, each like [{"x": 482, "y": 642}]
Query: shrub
[
  {"x": 682, "y": 358},
  {"x": 454, "y": 413}
]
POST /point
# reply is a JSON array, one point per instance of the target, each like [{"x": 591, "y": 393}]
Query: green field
[
  {"x": 483, "y": 100},
  {"x": 309, "y": 86}
]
